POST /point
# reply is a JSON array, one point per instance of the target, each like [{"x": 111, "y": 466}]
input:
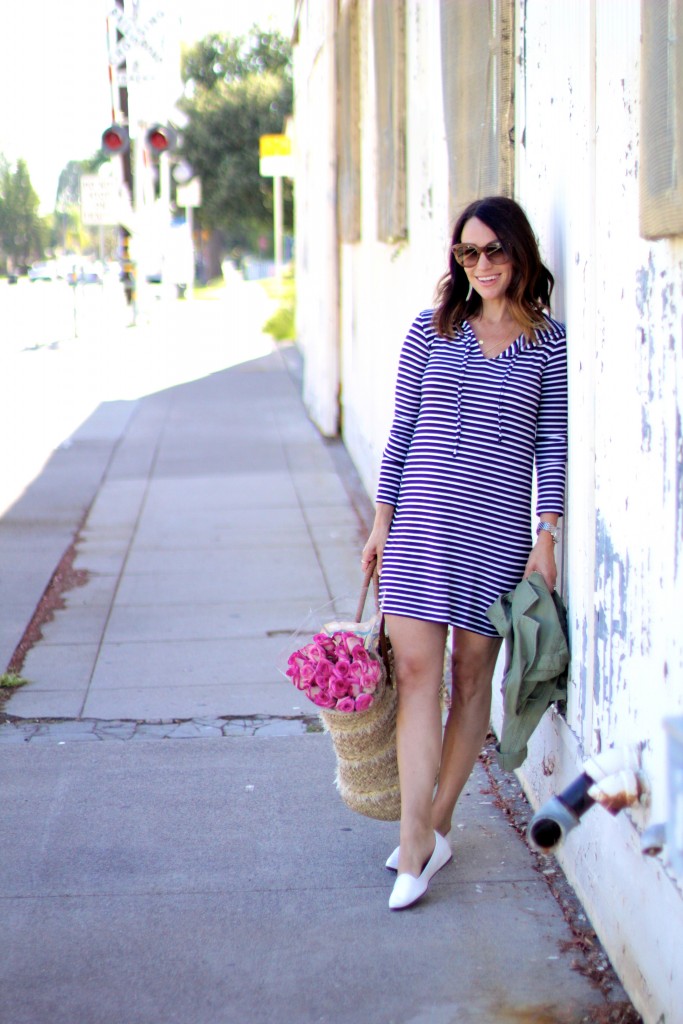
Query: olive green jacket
[{"x": 533, "y": 623}]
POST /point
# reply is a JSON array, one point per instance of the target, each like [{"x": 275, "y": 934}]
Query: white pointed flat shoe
[
  {"x": 392, "y": 860},
  {"x": 408, "y": 889}
]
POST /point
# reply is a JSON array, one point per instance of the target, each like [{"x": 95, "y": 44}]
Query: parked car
[{"x": 42, "y": 272}]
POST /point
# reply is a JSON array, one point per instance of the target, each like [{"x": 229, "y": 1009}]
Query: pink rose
[
  {"x": 344, "y": 642},
  {"x": 360, "y": 654},
  {"x": 357, "y": 672},
  {"x": 347, "y": 704},
  {"x": 324, "y": 700},
  {"x": 364, "y": 701},
  {"x": 307, "y": 673},
  {"x": 325, "y": 642},
  {"x": 295, "y": 661},
  {"x": 341, "y": 669},
  {"x": 313, "y": 652},
  {"x": 354, "y": 643},
  {"x": 323, "y": 672},
  {"x": 338, "y": 687},
  {"x": 374, "y": 670}
]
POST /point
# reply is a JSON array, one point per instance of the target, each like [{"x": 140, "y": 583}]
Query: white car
[{"x": 42, "y": 272}]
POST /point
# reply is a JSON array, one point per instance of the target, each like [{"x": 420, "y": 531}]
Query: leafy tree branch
[{"x": 237, "y": 89}]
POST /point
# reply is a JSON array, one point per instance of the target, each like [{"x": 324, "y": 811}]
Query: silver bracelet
[{"x": 554, "y": 531}]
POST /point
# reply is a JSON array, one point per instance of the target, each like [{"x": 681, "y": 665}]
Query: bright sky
[{"x": 54, "y": 80}]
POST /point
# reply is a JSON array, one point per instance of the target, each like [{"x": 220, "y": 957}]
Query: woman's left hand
[{"x": 542, "y": 559}]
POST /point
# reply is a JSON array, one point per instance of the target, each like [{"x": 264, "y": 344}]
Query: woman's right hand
[{"x": 374, "y": 547}]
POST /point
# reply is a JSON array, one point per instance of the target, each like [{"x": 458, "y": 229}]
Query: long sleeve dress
[{"x": 458, "y": 467}]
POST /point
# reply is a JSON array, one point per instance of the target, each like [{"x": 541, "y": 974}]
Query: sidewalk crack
[{"x": 66, "y": 730}]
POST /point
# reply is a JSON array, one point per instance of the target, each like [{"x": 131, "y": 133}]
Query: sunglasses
[{"x": 467, "y": 254}]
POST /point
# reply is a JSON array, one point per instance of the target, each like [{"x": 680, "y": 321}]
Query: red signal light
[
  {"x": 161, "y": 138},
  {"x": 115, "y": 139}
]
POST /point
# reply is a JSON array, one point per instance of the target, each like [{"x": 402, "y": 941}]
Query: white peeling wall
[
  {"x": 577, "y": 136},
  {"x": 578, "y": 113},
  {"x": 317, "y": 271},
  {"x": 384, "y": 286},
  {"x": 356, "y": 302}
]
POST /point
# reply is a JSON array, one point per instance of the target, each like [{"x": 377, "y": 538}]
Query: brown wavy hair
[{"x": 530, "y": 287}]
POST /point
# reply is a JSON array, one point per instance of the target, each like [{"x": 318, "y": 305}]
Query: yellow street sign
[{"x": 275, "y": 145}]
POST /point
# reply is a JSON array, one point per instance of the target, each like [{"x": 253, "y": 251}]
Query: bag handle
[{"x": 372, "y": 574}]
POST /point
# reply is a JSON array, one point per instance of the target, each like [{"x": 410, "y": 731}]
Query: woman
[{"x": 480, "y": 397}]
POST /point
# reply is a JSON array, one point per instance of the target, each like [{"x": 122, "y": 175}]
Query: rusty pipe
[{"x": 611, "y": 779}]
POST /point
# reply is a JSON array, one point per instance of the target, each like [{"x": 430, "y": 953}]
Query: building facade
[{"x": 405, "y": 110}]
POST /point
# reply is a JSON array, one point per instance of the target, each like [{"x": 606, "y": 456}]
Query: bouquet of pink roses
[
  {"x": 346, "y": 670},
  {"x": 336, "y": 671}
]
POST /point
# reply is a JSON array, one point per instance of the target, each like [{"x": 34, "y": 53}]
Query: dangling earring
[{"x": 469, "y": 294}]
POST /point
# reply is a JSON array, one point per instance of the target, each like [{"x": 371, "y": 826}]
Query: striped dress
[{"x": 458, "y": 467}]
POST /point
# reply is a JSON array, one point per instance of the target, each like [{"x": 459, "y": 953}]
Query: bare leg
[
  {"x": 474, "y": 660},
  {"x": 418, "y": 658}
]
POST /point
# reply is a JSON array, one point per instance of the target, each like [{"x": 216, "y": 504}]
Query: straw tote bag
[{"x": 365, "y": 741}]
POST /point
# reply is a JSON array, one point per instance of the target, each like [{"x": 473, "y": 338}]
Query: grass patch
[
  {"x": 10, "y": 681},
  {"x": 281, "y": 325}
]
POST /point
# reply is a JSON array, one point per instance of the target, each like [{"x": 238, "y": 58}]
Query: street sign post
[
  {"x": 276, "y": 162},
  {"x": 100, "y": 200},
  {"x": 188, "y": 197}
]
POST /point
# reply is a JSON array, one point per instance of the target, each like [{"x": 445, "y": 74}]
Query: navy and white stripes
[{"x": 458, "y": 467}]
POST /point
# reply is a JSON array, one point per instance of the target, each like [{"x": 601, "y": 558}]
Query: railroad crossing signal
[
  {"x": 135, "y": 36},
  {"x": 115, "y": 139},
  {"x": 161, "y": 138}
]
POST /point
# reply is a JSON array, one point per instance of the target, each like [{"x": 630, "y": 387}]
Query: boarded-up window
[
  {"x": 477, "y": 68},
  {"x": 348, "y": 92},
  {"x": 661, "y": 123},
  {"x": 390, "y": 90}
]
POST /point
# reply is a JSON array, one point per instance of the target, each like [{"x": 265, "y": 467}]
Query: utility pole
[{"x": 121, "y": 84}]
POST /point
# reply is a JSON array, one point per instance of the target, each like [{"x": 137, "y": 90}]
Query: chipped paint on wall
[
  {"x": 577, "y": 99},
  {"x": 678, "y": 538}
]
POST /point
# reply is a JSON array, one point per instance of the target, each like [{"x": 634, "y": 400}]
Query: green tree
[
  {"x": 218, "y": 58},
  {"x": 237, "y": 89},
  {"x": 22, "y": 231}
]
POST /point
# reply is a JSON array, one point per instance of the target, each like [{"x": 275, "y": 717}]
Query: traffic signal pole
[
  {"x": 128, "y": 267},
  {"x": 138, "y": 53},
  {"x": 127, "y": 264}
]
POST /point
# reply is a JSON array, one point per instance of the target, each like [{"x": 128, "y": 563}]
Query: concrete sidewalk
[
  {"x": 219, "y": 523},
  {"x": 173, "y": 846}
]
